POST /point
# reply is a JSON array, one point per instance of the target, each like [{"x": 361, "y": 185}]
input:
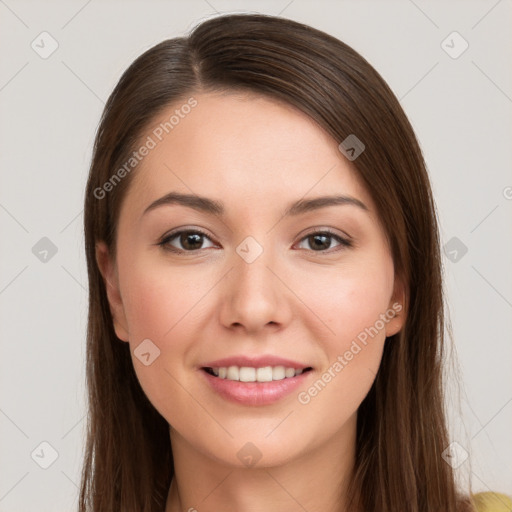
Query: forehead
[{"x": 243, "y": 149}]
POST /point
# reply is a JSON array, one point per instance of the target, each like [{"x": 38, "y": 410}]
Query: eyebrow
[{"x": 213, "y": 207}]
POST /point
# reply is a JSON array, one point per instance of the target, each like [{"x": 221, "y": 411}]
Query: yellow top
[{"x": 492, "y": 502}]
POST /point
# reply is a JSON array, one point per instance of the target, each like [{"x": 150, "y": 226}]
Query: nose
[{"x": 255, "y": 296}]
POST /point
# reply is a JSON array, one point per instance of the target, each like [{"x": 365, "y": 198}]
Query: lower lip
[{"x": 255, "y": 393}]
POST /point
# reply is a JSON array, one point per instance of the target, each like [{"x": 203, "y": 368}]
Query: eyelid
[
  {"x": 323, "y": 229},
  {"x": 186, "y": 229}
]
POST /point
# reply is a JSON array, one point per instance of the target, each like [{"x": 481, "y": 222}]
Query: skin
[{"x": 256, "y": 156}]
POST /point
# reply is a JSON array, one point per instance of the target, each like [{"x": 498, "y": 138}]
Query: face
[{"x": 249, "y": 277}]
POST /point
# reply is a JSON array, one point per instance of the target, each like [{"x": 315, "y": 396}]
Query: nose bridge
[
  {"x": 254, "y": 296},
  {"x": 250, "y": 250},
  {"x": 252, "y": 275}
]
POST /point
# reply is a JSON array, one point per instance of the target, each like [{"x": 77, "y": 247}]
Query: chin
[{"x": 255, "y": 449}]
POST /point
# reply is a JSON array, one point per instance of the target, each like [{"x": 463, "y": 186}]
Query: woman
[{"x": 266, "y": 310}]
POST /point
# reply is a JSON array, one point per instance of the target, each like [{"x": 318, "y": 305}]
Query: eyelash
[{"x": 344, "y": 243}]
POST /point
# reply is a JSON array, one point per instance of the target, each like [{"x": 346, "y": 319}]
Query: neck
[{"x": 315, "y": 481}]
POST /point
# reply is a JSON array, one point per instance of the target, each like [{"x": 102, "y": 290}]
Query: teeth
[
  {"x": 278, "y": 373},
  {"x": 249, "y": 374},
  {"x": 264, "y": 374},
  {"x": 233, "y": 373},
  {"x": 289, "y": 372}
]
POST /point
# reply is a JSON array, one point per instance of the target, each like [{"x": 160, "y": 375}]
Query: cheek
[
  {"x": 348, "y": 309},
  {"x": 158, "y": 300},
  {"x": 353, "y": 303},
  {"x": 164, "y": 306},
  {"x": 349, "y": 300},
  {"x": 353, "y": 353}
]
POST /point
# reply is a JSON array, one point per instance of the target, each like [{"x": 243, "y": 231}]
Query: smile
[
  {"x": 252, "y": 374},
  {"x": 254, "y": 386}
]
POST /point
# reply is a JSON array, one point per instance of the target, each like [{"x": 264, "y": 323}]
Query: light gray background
[{"x": 461, "y": 111}]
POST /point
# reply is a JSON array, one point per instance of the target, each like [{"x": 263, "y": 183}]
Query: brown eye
[
  {"x": 321, "y": 241},
  {"x": 187, "y": 240}
]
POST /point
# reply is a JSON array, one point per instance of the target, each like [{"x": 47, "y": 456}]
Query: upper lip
[{"x": 254, "y": 362}]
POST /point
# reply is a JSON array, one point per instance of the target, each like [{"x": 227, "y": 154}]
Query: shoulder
[{"x": 492, "y": 502}]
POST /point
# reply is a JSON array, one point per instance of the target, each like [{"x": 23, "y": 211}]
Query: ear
[
  {"x": 397, "y": 309},
  {"x": 109, "y": 273}
]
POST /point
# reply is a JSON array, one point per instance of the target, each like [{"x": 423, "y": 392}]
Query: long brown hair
[{"x": 401, "y": 424}]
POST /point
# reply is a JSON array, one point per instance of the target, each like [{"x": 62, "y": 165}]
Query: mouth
[
  {"x": 255, "y": 386},
  {"x": 253, "y": 374}
]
